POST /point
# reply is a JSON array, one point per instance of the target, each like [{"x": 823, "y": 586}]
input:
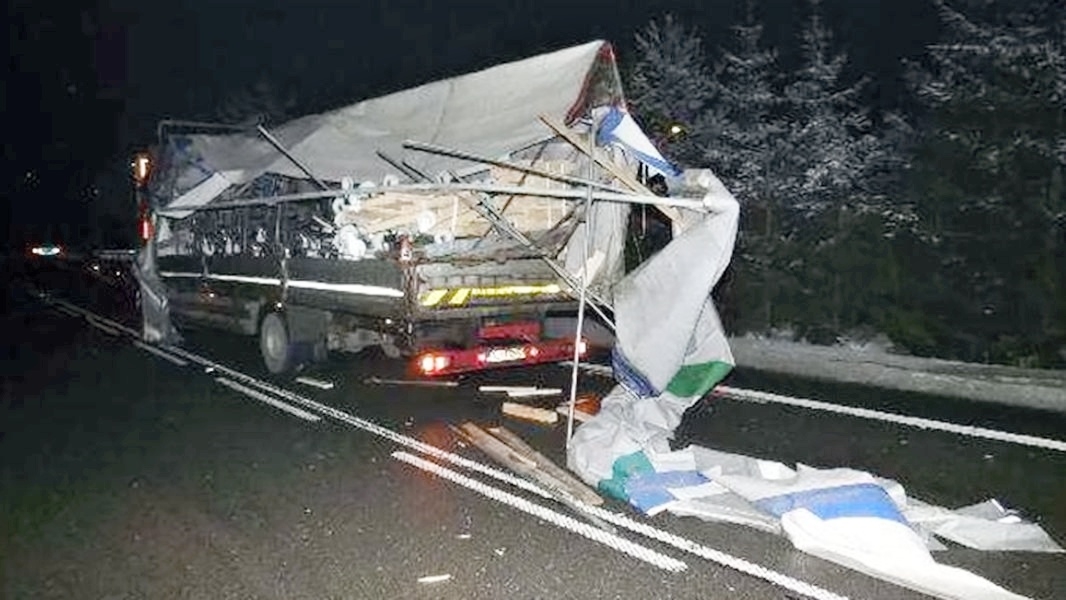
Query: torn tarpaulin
[
  {"x": 665, "y": 358},
  {"x": 155, "y": 306},
  {"x": 668, "y": 357}
]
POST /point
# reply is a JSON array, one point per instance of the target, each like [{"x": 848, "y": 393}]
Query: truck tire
[{"x": 275, "y": 345}]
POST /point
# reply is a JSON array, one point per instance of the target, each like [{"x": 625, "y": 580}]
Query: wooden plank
[
  {"x": 531, "y": 413},
  {"x": 519, "y": 462},
  {"x": 601, "y": 158},
  {"x": 577, "y": 487},
  {"x": 497, "y": 450}
]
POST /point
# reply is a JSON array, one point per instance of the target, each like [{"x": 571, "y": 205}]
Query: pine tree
[
  {"x": 835, "y": 169},
  {"x": 743, "y": 128},
  {"x": 994, "y": 207},
  {"x": 742, "y": 134},
  {"x": 671, "y": 86}
]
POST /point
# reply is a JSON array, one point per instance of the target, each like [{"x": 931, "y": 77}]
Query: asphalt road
[{"x": 123, "y": 475}]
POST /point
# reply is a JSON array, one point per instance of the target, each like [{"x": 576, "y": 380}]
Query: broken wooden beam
[
  {"x": 576, "y": 487},
  {"x": 530, "y": 413}
]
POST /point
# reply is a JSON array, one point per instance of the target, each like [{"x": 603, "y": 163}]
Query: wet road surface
[{"x": 123, "y": 475}]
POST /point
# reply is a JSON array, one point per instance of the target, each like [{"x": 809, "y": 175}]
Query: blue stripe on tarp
[
  {"x": 655, "y": 162},
  {"x": 856, "y": 500},
  {"x": 647, "y": 491},
  {"x": 630, "y": 378},
  {"x": 605, "y": 133}
]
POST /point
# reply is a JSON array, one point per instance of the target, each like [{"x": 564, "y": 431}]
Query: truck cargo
[{"x": 447, "y": 224}]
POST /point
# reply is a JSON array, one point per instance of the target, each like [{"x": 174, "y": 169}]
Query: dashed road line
[
  {"x": 164, "y": 355},
  {"x": 260, "y": 396}
]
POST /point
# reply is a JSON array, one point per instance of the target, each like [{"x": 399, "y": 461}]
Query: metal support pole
[
  {"x": 433, "y": 149},
  {"x": 299, "y": 165},
  {"x": 587, "y": 217},
  {"x": 515, "y": 190}
]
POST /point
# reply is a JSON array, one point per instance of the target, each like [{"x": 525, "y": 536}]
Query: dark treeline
[{"x": 940, "y": 226}]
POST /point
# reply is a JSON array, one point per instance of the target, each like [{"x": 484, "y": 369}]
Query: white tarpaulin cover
[
  {"x": 671, "y": 351},
  {"x": 490, "y": 112}
]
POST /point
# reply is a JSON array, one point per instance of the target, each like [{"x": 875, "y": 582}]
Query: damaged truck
[{"x": 448, "y": 224}]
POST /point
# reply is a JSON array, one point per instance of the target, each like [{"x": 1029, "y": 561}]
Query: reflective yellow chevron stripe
[
  {"x": 433, "y": 297},
  {"x": 461, "y": 296}
]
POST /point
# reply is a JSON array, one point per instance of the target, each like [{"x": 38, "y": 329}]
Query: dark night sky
[{"x": 85, "y": 85}]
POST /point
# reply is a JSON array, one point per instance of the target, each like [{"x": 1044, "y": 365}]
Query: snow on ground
[{"x": 871, "y": 364}]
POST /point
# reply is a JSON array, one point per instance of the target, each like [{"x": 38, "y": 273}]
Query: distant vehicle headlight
[{"x": 46, "y": 250}]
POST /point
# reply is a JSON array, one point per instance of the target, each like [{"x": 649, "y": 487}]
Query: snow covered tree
[
  {"x": 835, "y": 150},
  {"x": 671, "y": 85},
  {"x": 836, "y": 170},
  {"x": 742, "y": 135},
  {"x": 993, "y": 206},
  {"x": 743, "y": 128}
]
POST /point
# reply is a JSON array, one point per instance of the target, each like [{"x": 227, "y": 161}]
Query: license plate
[{"x": 498, "y": 355}]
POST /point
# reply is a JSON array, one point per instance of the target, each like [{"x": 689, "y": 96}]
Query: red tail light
[
  {"x": 145, "y": 229},
  {"x": 431, "y": 364},
  {"x": 442, "y": 362}
]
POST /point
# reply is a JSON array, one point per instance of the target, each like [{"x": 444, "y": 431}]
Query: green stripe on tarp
[
  {"x": 693, "y": 381},
  {"x": 623, "y": 468}
]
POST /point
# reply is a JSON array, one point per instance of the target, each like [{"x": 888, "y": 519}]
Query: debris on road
[
  {"x": 585, "y": 407},
  {"x": 536, "y": 392},
  {"x": 520, "y": 391},
  {"x": 506, "y": 388},
  {"x": 530, "y": 413},
  {"x": 414, "y": 382},
  {"x": 511, "y": 451},
  {"x": 579, "y": 490},
  {"x": 434, "y": 578},
  {"x": 318, "y": 383}
]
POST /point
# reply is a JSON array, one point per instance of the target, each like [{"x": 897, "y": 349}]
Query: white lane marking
[
  {"x": 118, "y": 326},
  {"x": 164, "y": 355},
  {"x": 877, "y": 415},
  {"x": 921, "y": 423},
  {"x": 68, "y": 312},
  {"x": 102, "y": 327},
  {"x": 716, "y": 556},
  {"x": 665, "y": 537},
  {"x": 363, "y": 424},
  {"x": 298, "y": 412},
  {"x": 318, "y": 383},
  {"x": 545, "y": 514},
  {"x": 77, "y": 311}
]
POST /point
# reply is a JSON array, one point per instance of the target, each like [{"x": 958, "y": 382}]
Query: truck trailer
[{"x": 449, "y": 224}]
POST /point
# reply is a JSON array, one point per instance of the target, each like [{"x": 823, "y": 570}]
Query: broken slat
[
  {"x": 505, "y": 455},
  {"x": 414, "y": 382},
  {"x": 579, "y": 415},
  {"x": 575, "y": 486},
  {"x": 531, "y": 413},
  {"x": 535, "y": 392},
  {"x": 604, "y": 161},
  {"x": 497, "y": 450}
]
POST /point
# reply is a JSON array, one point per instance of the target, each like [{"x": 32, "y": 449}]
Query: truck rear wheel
[{"x": 275, "y": 345}]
